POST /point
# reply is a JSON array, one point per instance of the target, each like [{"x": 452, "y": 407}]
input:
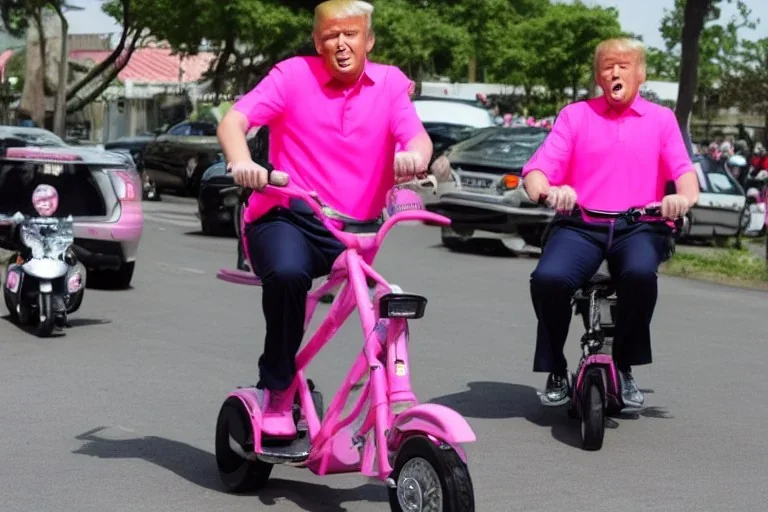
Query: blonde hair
[
  {"x": 340, "y": 9},
  {"x": 621, "y": 44}
]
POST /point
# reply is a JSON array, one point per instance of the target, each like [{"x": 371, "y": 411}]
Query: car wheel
[
  {"x": 453, "y": 243},
  {"x": 119, "y": 279},
  {"x": 212, "y": 227}
]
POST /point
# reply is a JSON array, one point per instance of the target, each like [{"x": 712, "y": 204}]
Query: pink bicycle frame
[{"x": 338, "y": 446}]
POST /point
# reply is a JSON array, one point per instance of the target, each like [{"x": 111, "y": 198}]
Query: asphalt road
[{"x": 119, "y": 414}]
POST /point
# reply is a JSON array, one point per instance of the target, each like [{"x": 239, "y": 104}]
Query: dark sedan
[
  {"x": 178, "y": 158},
  {"x": 218, "y": 200}
]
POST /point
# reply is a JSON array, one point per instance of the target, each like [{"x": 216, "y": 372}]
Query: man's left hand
[
  {"x": 409, "y": 164},
  {"x": 675, "y": 206}
]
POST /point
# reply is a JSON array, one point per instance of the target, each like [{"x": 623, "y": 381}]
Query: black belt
[{"x": 350, "y": 225}]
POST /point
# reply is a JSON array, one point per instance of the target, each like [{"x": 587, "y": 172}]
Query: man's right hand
[
  {"x": 441, "y": 168},
  {"x": 249, "y": 174},
  {"x": 562, "y": 198}
]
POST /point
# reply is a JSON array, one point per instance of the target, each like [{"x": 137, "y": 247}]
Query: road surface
[{"x": 119, "y": 414}]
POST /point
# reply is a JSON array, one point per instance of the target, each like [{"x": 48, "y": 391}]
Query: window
[
  {"x": 720, "y": 181},
  {"x": 180, "y": 130}
]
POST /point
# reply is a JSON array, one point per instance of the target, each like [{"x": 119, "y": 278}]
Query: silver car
[{"x": 481, "y": 200}]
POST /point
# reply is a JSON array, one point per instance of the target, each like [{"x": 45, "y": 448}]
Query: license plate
[{"x": 472, "y": 182}]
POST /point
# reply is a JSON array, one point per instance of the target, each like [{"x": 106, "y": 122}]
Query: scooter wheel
[
  {"x": 592, "y": 415},
  {"x": 11, "y": 308},
  {"x": 237, "y": 473},
  {"x": 45, "y": 326},
  {"x": 429, "y": 477}
]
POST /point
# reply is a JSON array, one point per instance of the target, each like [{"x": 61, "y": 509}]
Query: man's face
[
  {"x": 344, "y": 45},
  {"x": 620, "y": 75}
]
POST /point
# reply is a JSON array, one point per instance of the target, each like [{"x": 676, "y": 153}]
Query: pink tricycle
[{"x": 415, "y": 449}]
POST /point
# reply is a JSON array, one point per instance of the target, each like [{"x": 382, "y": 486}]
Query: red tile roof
[{"x": 153, "y": 65}]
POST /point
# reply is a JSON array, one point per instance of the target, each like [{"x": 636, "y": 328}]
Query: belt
[{"x": 346, "y": 224}]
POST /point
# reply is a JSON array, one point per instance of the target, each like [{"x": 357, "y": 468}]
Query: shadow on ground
[
  {"x": 502, "y": 400},
  {"x": 199, "y": 467}
]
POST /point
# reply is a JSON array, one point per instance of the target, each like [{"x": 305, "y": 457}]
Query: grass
[{"x": 735, "y": 267}]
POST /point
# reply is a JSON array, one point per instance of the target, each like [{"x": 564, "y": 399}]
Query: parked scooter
[
  {"x": 44, "y": 282},
  {"x": 757, "y": 201}
]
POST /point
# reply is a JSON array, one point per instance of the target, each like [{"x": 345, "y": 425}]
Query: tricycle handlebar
[{"x": 334, "y": 221}]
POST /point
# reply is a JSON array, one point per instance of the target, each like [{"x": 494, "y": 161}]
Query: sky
[{"x": 637, "y": 16}]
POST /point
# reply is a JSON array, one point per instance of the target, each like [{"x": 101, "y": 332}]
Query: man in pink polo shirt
[
  {"x": 609, "y": 154},
  {"x": 334, "y": 121}
]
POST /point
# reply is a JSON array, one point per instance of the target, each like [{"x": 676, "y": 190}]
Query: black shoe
[{"x": 558, "y": 390}]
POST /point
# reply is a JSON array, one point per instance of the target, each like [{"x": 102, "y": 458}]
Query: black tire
[
  {"x": 592, "y": 415},
  {"x": 455, "y": 482},
  {"x": 11, "y": 309},
  {"x": 238, "y": 474},
  {"x": 454, "y": 244},
  {"x": 45, "y": 328},
  {"x": 76, "y": 301},
  {"x": 211, "y": 227},
  {"x": 119, "y": 279}
]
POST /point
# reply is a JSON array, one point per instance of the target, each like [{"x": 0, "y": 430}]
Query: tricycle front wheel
[{"x": 430, "y": 478}]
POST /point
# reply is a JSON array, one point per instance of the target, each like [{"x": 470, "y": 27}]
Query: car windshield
[
  {"x": 40, "y": 138},
  {"x": 715, "y": 178},
  {"x": 514, "y": 147},
  {"x": 455, "y": 132}
]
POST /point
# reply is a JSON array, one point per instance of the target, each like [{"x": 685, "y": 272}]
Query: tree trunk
[
  {"x": 33, "y": 94},
  {"x": 693, "y": 24},
  {"x": 60, "y": 108},
  {"x": 78, "y": 102},
  {"x": 472, "y": 71}
]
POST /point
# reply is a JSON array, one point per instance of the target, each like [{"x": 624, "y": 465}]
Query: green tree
[
  {"x": 561, "y": 45},
  {"x": 248, "y": 36},
  {"x": 746, "y": 86},
  {"x": 420, "y": 41},
  {"x": 17, "y": 15},
  {"x": 699, "y": 50}
]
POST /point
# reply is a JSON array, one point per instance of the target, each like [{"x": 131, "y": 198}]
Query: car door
[
  {"x": 721, "y": 201},
  {"x": 167, "y": 159}
]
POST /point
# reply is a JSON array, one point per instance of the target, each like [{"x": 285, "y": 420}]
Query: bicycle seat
[{"x": 601, "y": 282}]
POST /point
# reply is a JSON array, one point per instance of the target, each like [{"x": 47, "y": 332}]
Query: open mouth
[
  {"x": 617, "y": 88},
  {"x": 343, "y": 62}
]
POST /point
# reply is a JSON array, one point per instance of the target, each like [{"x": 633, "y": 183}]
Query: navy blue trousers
[
  {"x": 287, "y": 250},
  {"x": 572, "y": 254}
]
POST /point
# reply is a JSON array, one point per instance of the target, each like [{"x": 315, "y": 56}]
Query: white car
[{"x": 721, "y": 210}]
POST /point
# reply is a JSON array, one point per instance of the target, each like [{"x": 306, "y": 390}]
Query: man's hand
[
  {"x": 562, "y": 198},
  {"x": 249, "y": 174},
  {"x": 675, "y": 206},
  {"x": 441, "y": 168},
  {"x": 409, "y": 164}
]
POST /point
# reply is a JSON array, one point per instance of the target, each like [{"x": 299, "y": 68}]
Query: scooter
[
  {"x": 44, "y": 282},
  {"x": 415, "y": 449}
]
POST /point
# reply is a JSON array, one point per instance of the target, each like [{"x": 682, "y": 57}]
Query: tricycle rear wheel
[
  {"x": 432, "y": 477},
  {"x": 237, "y": 473}
]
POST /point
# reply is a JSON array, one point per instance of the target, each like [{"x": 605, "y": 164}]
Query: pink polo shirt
[
  {"x": 613, "y": 161},
  {"x": 336, "y": 141}
]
